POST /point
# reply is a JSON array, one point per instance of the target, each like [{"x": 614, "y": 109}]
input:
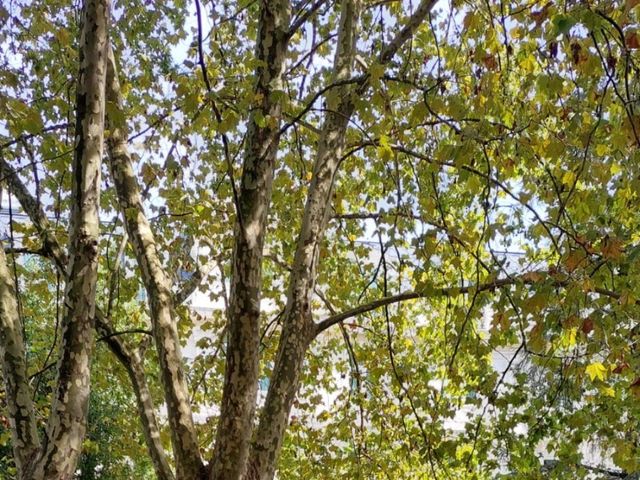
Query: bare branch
[
  {"x": 29, "y": 136},
  {"x": 301, "y": 20}
]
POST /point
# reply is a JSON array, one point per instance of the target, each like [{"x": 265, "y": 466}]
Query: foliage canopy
[{"x": 382, "y": 199}]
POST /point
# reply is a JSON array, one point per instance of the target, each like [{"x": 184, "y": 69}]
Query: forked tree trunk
[
  {"x": 298, "y": 328},
  {"x": 242, "y": 357}
]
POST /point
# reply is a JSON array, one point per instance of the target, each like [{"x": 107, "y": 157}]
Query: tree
[{"x": 375, "y": 179}]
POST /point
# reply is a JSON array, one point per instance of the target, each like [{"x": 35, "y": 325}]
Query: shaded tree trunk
[{"x": 242, "y": 357}]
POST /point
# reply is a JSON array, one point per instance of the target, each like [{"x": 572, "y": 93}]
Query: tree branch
[
  {"x": 189, "y": 286},
  {"x": 529, "y": 278},
  {"x": 29, "y": 136},
  {"x": 304, "y": 17},
  {"x": 186, "y": 448}
]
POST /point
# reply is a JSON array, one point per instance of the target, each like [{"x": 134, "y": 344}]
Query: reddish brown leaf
[
  {"x": 620, "y": 367},
  {"x": 611, "y": 248},
  {"x": 490, "y": 61},
  {"x": 587, "y": 325},
  {"x": 632, "y": 40},
  {"x": 533, "y": 277}
]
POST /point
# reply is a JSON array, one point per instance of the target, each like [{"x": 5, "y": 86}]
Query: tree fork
[
  {"x": 298, "y": 327},
  {"x": 242, "y": 357}
]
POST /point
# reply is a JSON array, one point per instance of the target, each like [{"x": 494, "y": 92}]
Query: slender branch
[
  {"x": 190, "y": 286},
  {"x": 304, "y": 17},
  {"x": 124, "y": 332},
  {"x": 407, "y": 31},
  {"x": 29, "y": 136},
  {"x": 24, "y": 251},
  {"x": 203, "y": 67},
  {"x": 529, "y": 278}
]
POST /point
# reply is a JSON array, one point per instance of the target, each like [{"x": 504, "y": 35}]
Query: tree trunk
[
  {"x": 24, "y": 435},
  {"x": 134, "y": 366},
  {"x": 67, "y": 422},
  {"x": 53, "y": 250},
  {"x": 242, "y": 357},
  {"x": 298, "y": 324},
  {"x": 186, "y": 449}
]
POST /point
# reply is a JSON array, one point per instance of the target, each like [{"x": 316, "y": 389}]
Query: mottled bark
[
  {"x": 186, "y": 449},
  {"x": 132, "y": 362},
  {"x": 242, "y": 357},
  {"x": 24, "y": 435},
  {"x": 298, "y": 327},
  {"x": 297, "y": 321},
  {"x": 58, "y": 256},
  {"x": 53, "y": 250},
  {"x": 67, "y": 422}
]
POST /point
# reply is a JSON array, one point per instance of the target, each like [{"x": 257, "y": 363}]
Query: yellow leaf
[
  {"x": 608, "y": 391},
  {"x": 568, "y": 338},
  {"x": 568, "y": 178},
  {"x": 529, "y": 64},
  {"x": 376, "y": 71},
  {"x": 384, "y": 148},
  {"x": 627, "y": 298},
  {"x": 596, "y": 370}
]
